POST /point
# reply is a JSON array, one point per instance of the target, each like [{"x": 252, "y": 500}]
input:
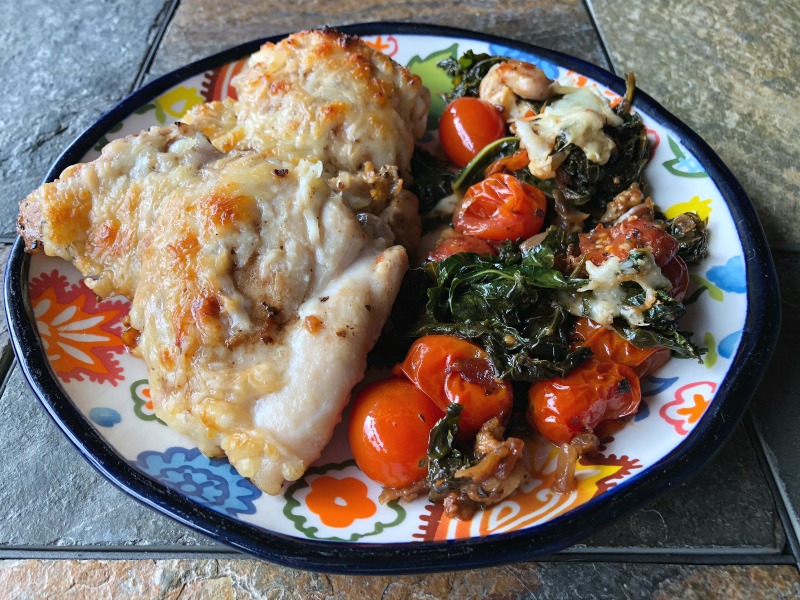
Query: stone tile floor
[{"x": 725, "y": 72}]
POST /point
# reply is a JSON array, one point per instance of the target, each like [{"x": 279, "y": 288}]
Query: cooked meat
[
  {"x": 321, "y": 95},
  {"x": 249, "y": 280}
]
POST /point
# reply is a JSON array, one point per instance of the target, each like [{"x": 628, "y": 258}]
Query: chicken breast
[
  {"x": 321, "y": 95},
  {"x": 256, "y": 289}
]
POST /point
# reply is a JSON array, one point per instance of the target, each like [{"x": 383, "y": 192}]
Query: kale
[
  {"x": 467, "y": 72},
  {"x": 591, "y": 185},
  {"x": 506, "y": 304},
  {"x": 662, "y": 328},
  {"x": 692, "y": 234},
  {"x": 444, "y": 459},
  {"x": 475, "y": 170},
  {"x": 432, "y": 179}
]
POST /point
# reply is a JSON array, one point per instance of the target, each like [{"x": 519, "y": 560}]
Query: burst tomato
[
  {"x": 678, "y": 274},
  {"x": 607, "y": 345},
  {"x": 619, "y": 240},
  {"x": 454, "y": 371},
  {"x": 467, "y": 125},
  {"x": 501, "y": 207},
  {"x": 594, "y": 392},
  {"x": 462, "y": 243},
  {"x": 390, "y": 423}
]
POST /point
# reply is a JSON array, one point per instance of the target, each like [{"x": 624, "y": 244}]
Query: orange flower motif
[
  {"x": 79, "y": 332},
  {"x": 690, "y": 403},
  {"x": 388, "y": 47},
  {"x": 217, "y": 83},
  {"x": 339, "y": 502}
]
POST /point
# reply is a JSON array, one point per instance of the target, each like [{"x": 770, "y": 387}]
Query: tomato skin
[
  {"x": 594, "y": 392},
  {"x": 390, "y": 423},
  {"x": 501, "y": 207},
  {"x": 678, "y": 274},
  {"x": 607, "y": 345},
  {"x": 619, "y": 240},
  {"x": 454, "y": 371},
  {"x": 508, "y": 164},
  {"x": 462, "y": 243},
  {"x": 467, "y": 126}
]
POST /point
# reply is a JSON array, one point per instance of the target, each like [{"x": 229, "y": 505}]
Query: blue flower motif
[
  {"x": 212, "y": 482},
  {"x": 730, "y": 276},
  {"x": 650, "y": 387},
  {"x": 549, "y": 68},
  {"x": 729, "y": 343},
  {"x": 688, "y": 164},
  {"x": 105, "y": 417}
]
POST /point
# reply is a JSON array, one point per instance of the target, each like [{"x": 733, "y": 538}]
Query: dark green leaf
[
  {"x": 467, "y": 72},
  {"x": 474, "y": 171},
  {"x": 444, "y": 459},
  {"x": 692, "y": 234},
  {"x": 432, "y": 179}
]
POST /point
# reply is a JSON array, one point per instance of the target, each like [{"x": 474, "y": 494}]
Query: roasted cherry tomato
[
  {"x": 467, "y": 125},
  {"x": 462, "y": 243},
  {"x": 678, "y": 274},
  {"x": 390, "y": 423},
  {"x": 501, "y": 207},
  {"x": 619, "y": 240},
  {"x": 454, "y": 371},
  {"x": 607, "y": 345},
  {"x": 594, "y": 392},
  {"x": 508, "y": 164}
]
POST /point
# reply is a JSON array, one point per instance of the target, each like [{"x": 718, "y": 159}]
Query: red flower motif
[
  {"x": 691, "y": 401},
  {"x": 80, "y": 333}
]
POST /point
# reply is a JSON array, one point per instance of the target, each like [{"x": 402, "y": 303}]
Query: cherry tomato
[
  {"x": 619, "y": 240},
  {"x": 390, "y": 423},
  {"x": 501, "y": 207},
  {"x": 454, "y": 371},
  {"x": 462, "y": 243},
  {"x": 609, "y": 346},
  {"x": 678, "y": 274},
  {"x": 594, "y": 392},
  {"x": 467, "y": 125},
  {"x": 508, "y": 164}
]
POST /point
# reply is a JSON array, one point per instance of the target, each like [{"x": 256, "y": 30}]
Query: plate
[{"x": 68, "y": 344}]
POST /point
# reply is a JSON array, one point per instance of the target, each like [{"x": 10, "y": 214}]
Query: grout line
[
  {"x": 9, "y": 361},
  {"x": 162, "y": 22},
  {"x": 587, "y": 4},
  {"x": 745, "y": 557},
  {"x": 777, "y": 490}
]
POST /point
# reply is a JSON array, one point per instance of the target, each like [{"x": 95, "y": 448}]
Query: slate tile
[
  {"x": 202, "y": 27},
  {"x": 233, "y": 579},
  {"x": 64, "y": 64},
  {"x": 776, "y": 408},
  {"x": 50, "y": 496},
  {"x": 729, "y": 72},
  {"x": 727, "y": 505}
]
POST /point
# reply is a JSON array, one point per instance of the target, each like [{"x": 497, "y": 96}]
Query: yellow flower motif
[
  {"x": 701, "y": 207},
  {"x": 178, "y": 101}
]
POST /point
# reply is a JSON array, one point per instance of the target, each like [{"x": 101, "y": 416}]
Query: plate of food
[{"x": 392, "y": 298}]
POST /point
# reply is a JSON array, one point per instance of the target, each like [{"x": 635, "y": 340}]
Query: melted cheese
[
  {"x": 321, "y": 95},
  {"x": 603, "y": 298},
  {"x": 224, "y": 258},
  {"x": 579, "y": 116}
]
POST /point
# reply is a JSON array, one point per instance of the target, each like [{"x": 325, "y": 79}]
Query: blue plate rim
[{"x": 718, "y": 423}]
